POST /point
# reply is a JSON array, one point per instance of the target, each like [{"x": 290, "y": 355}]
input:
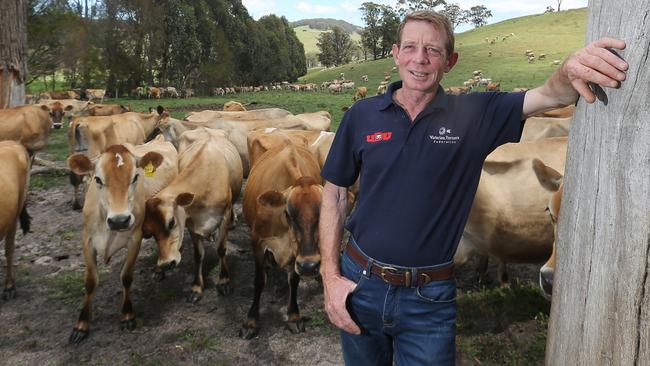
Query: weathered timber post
[
  {"x": 601, "y": 301},
  {"x": 13, "y": 52}
]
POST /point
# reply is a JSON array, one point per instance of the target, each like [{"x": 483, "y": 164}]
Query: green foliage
[
  {"x": 380, "y": 34},
  {"x": 478, "y": 15},
  {"x": 326, "y": 24},
  {"x": 335, "y": 48}
]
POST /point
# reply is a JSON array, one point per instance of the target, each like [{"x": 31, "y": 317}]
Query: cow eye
[
  {"x": 135, "y": 178},
  {"x": 171, "y": 224},
  {"x": 98, "y": 180}
]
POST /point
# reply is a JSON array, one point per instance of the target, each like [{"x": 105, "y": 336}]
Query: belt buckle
[{"x": 406, "y": 276}]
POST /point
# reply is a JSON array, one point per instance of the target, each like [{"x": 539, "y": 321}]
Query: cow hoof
[
  {"x": 194, "y": 297},
  {"x": 224, "y": 289},
  {"x": 296, "y": 327},
  {"x": 77, "y": 336},
  {"x": 128, "y": 324},
  {"x": 9, "y": 293},
  {"x": 247, "y": 333}
]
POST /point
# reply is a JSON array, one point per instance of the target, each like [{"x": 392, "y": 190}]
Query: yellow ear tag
[{"x": 149, "y": 170}]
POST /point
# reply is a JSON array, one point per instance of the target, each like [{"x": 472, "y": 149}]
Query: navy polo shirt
[{"x": 418, "y": 179}]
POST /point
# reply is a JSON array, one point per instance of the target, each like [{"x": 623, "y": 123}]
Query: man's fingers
[
  {"x": 583, "y": 89},
  {"x": 608, "y": 42}
]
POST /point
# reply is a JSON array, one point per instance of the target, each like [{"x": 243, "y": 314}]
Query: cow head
[
  {"x": 57, "y": 111},
  {"x": 552, "y": 181},
  {"x": 117, "y": 182},
  {"x": 297, "y": 210},
  {"x": 165, "y": 220}
]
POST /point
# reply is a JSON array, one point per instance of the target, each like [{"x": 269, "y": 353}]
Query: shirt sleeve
[
  {"x": 501, "y": 122},
  {"x": 342, "y": 164}
]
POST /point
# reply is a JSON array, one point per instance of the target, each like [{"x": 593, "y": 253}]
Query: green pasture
[
  {"x": 555, "y": 34},
  {"x": 309, "y": 37}
]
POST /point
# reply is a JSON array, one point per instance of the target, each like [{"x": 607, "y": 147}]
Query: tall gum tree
[
  {"x": 13, "y": 52},
  {"x": 601, "y": 301}
]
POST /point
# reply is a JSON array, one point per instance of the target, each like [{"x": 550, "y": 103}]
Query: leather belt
[{"x": 401, "y": 276}]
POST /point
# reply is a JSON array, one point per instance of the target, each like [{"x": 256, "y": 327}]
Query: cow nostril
[
  {"x": 119, "y": 222},
  {"x": 172, "y": 265},
  {"x": 308, "y": 267}
]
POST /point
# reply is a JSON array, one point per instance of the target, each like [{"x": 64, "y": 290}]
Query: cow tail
[{"x": 25, "y": 219}]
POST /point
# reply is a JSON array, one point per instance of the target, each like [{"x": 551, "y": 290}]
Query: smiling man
[{"x": 418, "y": 153}]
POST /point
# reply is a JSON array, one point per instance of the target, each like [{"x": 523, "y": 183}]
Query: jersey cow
[
  {"x": 281, "y": 205},
  {"x": 107, "y": 109},
  {"x": 112, "y": 219},
  {"x": 507, "y": 220},
  {"x": 15, "y": 164},
  {"x": 201, "y": 196},
  {"x": 92, "y": 135},
  {"x": 29, "y": 125}
]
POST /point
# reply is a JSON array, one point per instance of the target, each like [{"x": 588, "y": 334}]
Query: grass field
[{"x": 309, "y": 37}]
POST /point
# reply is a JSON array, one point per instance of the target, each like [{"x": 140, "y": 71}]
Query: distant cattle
[
  {"x": 112, "y": 219},
  {"x": 360, "y": 93},
  {"x": 154, "y": 92},
  {"x": 492, "y": 86},
  {"x": 202, "y": 195},
  {"x": 69, "y": 94},
  {"x": 281, "y": 205},
  {"x": 28, "y": 125},
  {"x": 507, "y": 220},
  {"x": 14, "y": 181},
  {"x": 93, "y": 94},
  {"x": 457, "y": 90},
  {"x": 364, "y": 78}
]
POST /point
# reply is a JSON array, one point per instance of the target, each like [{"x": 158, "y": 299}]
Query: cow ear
[
  {"x": 548, "y": 177},
  {"x": 151, "y": 157},
  {"x": 185, "y": 199},
  {"x": 160, "y": 109},
  {"x": 272, "y": 199},
  {"x": 68, "y": 108},
  {"x": 80, "y": 164},
  {"x": 45, "y": 108}
]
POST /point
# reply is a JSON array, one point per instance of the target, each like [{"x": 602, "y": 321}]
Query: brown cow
[
  {"x": 507, "y": 219},
  {"x": 14, "y": 180},
  {"x": 65, "y": 108},
  {"x": 107, "y": 109},
  {"x": 281, "y": 205},
  {"x": 112, "y": 219},
  {"x": 360, "y": 93},
  {"x": 92, "y": 94},
  {"x": 203, "y": 193},
  {"x": 564, "y": 112},
  {"x": 29, "y": 125},
  {"x": 552, "y": 181},
  {"x": 92, "y": 135}
]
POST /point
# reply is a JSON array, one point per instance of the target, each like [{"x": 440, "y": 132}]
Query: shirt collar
[{"x": 440, "y": 101}]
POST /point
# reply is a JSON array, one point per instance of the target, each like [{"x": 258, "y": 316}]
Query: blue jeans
[{"x": 407, "y": 325}]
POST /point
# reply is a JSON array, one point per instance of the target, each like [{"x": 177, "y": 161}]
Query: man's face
[{"x": 421, "y": 57}]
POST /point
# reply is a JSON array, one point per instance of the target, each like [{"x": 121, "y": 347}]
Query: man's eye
[{"x": 434, "y": 52}]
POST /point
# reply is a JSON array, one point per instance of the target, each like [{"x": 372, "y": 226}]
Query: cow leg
[
  {"x": 128, "y": 317},
  {"x": 82, "y": 328},
  {"x": 295, "y": 323},
  {"x": 9, "y": 291},
  {"x": 502, "y": 274},
  {"x": 199, "y": 254},
  {"x": 251, "y": 326},
  {"x": 482, "y": 268},
  {"x": 223, "y": 283}
]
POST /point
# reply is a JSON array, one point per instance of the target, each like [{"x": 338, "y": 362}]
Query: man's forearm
[{"x": 332, "y": 216}]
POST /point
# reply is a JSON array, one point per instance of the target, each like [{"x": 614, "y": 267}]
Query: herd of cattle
[{"x": 150, "y": 175}]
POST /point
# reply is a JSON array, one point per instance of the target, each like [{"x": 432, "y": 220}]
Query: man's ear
[
  {"x": 396, "y": 53},
  {"x": 451, "y": 61}
]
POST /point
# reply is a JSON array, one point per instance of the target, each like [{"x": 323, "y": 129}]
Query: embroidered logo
[
  {"x": 379, "y": 136},
  {"x": 444, "y": 136}
]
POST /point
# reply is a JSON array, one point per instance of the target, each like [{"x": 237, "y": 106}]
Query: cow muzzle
[
  {"x": 120, "y": 222},
  {"x": 57, "y": 125},
  {"x": 307, "y": 267},
  {"x": 546, "y": 280}
]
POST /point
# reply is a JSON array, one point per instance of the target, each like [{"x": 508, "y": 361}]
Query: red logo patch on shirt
[{"x": 379, "y": 136}]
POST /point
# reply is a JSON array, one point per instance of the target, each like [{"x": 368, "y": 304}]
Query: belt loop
[{"x": 414, "y": 277}]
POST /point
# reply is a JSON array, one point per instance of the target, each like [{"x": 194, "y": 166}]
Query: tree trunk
[
  {"x": 13, "y": 52},
  {"x": 601, "y": 302}
]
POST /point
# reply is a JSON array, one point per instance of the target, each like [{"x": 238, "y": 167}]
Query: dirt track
[{"x": 49, "y": 269}]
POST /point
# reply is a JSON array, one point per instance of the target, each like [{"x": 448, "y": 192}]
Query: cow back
[
  {"x": 14, "y": 164},
  {"x": 29, "y": 125}
]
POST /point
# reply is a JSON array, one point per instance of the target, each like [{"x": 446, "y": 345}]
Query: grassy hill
[
  {"x": 309, "y": 37},
  {"x": 327, "y": 24},
  {"x": 556, "y": 34}
]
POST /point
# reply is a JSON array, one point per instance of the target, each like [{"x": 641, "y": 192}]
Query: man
[{"x": 418, "y": 153}]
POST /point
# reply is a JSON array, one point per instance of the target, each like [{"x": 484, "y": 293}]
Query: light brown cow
[
  {"x": 29, "y": 125},
  {"x": 107, "y": 109},
  {"x": 65, "y": 108},
  {"x": 537, "y": 128},
  {"x": 281, "y": 205},
  {"x": 69, "y": 94},
  {"x": 154, "y": 92},
  {"x": 92, "y": 94},
  {"x": 360, "y": 93},
  {"x": 14, "y": 180},
  {"x": 564, "y": 112},
  {"x": 209, "y": 115},
  {"x": 202, "y": 195},
  {"x": 112, "y": 219},
  {"x": 233, "y": 106},
  {"x": 92, "y": 135},
  {"x": 507, "y": 220},
  {"x": 318, "y": 142},
  {"x": 552, "y": 181},
  {"x": 492, "y": 86}
]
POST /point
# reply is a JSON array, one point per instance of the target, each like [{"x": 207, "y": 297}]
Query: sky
[{"x": 348, "y": 10}]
